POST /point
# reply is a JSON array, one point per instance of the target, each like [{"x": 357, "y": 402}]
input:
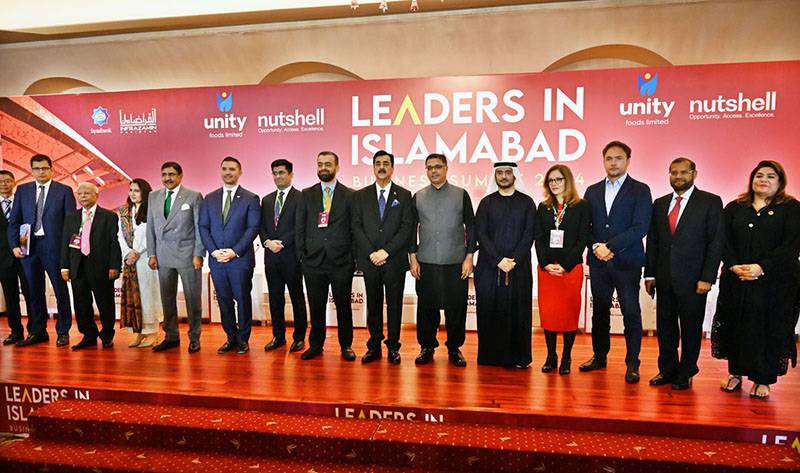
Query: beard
[
  {"x": 681, "y": 186},
  {"x": 507, "y": 185},
  {"x": 325, "y": 176}
]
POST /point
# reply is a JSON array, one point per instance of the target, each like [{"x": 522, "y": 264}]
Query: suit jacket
[
  {"x": 576, "y": 224},
  {"x": 7, "y": 259},
  {"x": 57, "y": 205},
  {"x": 284, "y": 231},
  {"x": 332, "y": 244},
  {"x": 693, "y": 253},
  {"x": 391, "y": 234},
  {"x": 175, "y": 240},
  {"x": 623, "y": 228},
  {"x": 237, "y": 232},
  {"x": 104, "y": 250}
]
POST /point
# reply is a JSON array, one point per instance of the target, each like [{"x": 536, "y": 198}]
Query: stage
[{"x": 279, "y": 381}]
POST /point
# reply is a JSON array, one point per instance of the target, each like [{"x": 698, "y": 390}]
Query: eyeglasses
[
  {"x": 40, "y": 169},
  {"x": 434, "y": 167},
  {"x": 555, "y": 180}
]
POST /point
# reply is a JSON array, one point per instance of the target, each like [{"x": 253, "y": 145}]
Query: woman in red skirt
[{"x": 562, "y": 233}]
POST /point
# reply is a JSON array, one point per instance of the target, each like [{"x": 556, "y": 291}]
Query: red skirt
[{"x": 560, "y": 300}]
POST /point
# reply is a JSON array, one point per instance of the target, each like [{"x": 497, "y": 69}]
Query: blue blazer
[
  {"x": 59, "y": 202},
  {"x": 624, "y": 227},
  {"x": 237, "y": 233}
]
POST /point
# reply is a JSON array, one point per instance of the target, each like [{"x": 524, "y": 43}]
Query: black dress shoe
[
  {"x": 348, "y": 354},
  {"x": 661, "y": 379},
  {"x": 13, "y": 338},
  {"x": 565, "y": 366},
  {"x": 425, "y": 356},
  {"x": 592, "y": 364},
  {"x": 194, "y": 346},
  {"x": 226, "y": 347},
  {"x": 166, "y": 345},
  {"x": 371, "y": 355},
  {"x": 62, "y": 340},
  {"x": 311, "y": 353},
  {"x": 85, "y": 343},
  {"x": 681, "y": 384},
  {"x": 394, "y": 357},
  {"x": 632, "y": 375},
  {"x": 456, "y": 358},
  {"x": 33, "y": 339},
  {"x": 243, "y": 348},
  {"x": 297, "y": 345},
  {"x": 108, "y": 343},
  {"x": 550, "y": 363},
  {"x": 275, "y": 343}
]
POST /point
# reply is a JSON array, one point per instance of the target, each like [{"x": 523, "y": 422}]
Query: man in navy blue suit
[
  {"x": 229, "y": 220},
  {"x": 621, "y": 212},
  {"x": 42, "y": 204}
]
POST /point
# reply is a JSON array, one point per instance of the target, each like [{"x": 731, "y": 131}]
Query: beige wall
[{"x": 592, "y": 34}]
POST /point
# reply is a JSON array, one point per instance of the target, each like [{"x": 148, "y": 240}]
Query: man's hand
[
  {"x": 132, "y": 257},
  {"x": 467, "y": 266},
  {"x": 152, "y": 262},
  {"x": 650, "y": 287},
  {"x": 65, "y": 275},
  {"x": 274, "y": 245},
  {"x": 506, "y": 265},
  {"x": 18, "y": 252},
  {"x": 414, "y": 264},
  {"x": 224, "y": 255},
  {"x": 113, "y": 274},
  {"x": 748, "y": 272},
  {"x": 602, "y": 252},
  {"x": 197, "y": 261},
  {"x": 379, "y": 257},
  {"x": 703, "y": 287},
  {"x": 555, "y": 269}
]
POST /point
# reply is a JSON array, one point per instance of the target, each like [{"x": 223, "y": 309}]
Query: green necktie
[
  {"x": 226, "y": 207},
  {"x": 168, "y": 203}
]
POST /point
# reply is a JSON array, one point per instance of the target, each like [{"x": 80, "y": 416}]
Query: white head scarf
[{"x": 518, "y": 185}]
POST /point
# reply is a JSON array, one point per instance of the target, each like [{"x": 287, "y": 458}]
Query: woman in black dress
[{"x": 754, "y": 324}]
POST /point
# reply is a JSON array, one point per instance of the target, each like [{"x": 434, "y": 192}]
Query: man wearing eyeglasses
[
  {"x": 39, "y": 208},
  {"x": 441, "y": 249},
  {"x": 11, "y": 275}
]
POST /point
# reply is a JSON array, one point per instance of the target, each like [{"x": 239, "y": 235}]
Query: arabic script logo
[
  {"x": 648, "y": 85},
  {"x": 224, "y": 102},
  {"x": 100, "y": 116}
]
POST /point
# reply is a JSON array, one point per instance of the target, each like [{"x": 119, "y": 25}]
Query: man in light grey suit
[{"x": 173, "y": 241}]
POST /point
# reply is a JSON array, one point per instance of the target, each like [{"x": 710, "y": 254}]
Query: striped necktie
[{"x": 7, "y": 208}]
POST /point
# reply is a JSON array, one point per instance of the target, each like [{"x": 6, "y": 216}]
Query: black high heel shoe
[
  {"x": 550, "y": 363},
  {"x": 565, "y": 366}
]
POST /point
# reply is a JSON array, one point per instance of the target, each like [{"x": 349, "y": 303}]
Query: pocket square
[
  {"x": 186, "y": 207},
  {"x": 395, "y": 203}
]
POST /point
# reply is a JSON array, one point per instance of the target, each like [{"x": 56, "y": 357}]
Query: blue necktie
[
  {"x": 382, "y": 203},
  {"x": 7, "y": 208}
]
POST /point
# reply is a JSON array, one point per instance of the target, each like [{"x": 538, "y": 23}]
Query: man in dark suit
[
  {"x": 325, "y": 248},
  {"x": 11, "y": 275},
  {"x": 684, "y": 248},
  {"x": 382, "y": 224},
  {"x": 41, "y": 206},
  {"x": 91, "y": 260},
  {"x": 281, "y": 265},
  {"x": 229, "y": 220},
  {"x": 621, "y": 211}
]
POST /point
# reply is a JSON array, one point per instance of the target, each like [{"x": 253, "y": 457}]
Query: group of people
[{"x": 323, "y": 233}]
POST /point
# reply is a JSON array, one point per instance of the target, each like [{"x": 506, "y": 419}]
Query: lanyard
[
  {"x": 559, "y": 216},
  {"x": 83, "y": 223}
]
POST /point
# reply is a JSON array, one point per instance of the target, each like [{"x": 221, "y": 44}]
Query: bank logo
[
  {"x": 100, "y": 116},
  {"x": 224, "y": 102},
  {"x": 648, "y": 84}
]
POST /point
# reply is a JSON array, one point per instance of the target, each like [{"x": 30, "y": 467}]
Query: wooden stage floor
[{"x": 327, "y": 385}]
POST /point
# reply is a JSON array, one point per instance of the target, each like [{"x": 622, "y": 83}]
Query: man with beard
[
  {"x": 382, "y": 221},
  {"x": 504, "y": 277},
  {"x": 684, "y": 248},
  {"x": 442, "y": 260},
  {"x": 325, "y": 249}
]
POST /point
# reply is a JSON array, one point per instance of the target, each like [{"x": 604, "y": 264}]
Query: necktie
[
  {"x": 7, "y": 208},
  {"x": 673, "y": 215},
  {"x": 86, "y": 231},
  {"x": 227, "y": 207},
  {"x": 37, "y": 226},
  {"x": 382, "y": 203},
  {"x": 168, "y": 203},
  {"x": 278, "y": 207},
  {"x": 327, "y": 199}
]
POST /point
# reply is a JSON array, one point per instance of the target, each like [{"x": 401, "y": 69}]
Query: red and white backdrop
[{"x": 725, "y": 117}]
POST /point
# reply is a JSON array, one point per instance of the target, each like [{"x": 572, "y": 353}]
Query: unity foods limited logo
[
  {"x": 100, "y": 116},
  {"x": 230, "y": 124},
  {"x": 648, "y": 84},
  {"x": 225, "y": 102}
]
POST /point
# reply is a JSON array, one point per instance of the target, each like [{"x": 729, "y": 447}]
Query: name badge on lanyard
[
  {"x": 75, "y": 241},
  {"x": 557, "y": 235},
  {"x": 323, "y": 219}
]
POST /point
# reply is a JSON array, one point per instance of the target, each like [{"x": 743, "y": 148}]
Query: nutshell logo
[
  {"x": 224, "y": 102},
  {"x": 648, "y": 85},
  {"x": 100, "y": 116}
]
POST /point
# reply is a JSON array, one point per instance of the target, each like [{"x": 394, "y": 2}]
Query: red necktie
[{"x": 673, "y": 216}]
